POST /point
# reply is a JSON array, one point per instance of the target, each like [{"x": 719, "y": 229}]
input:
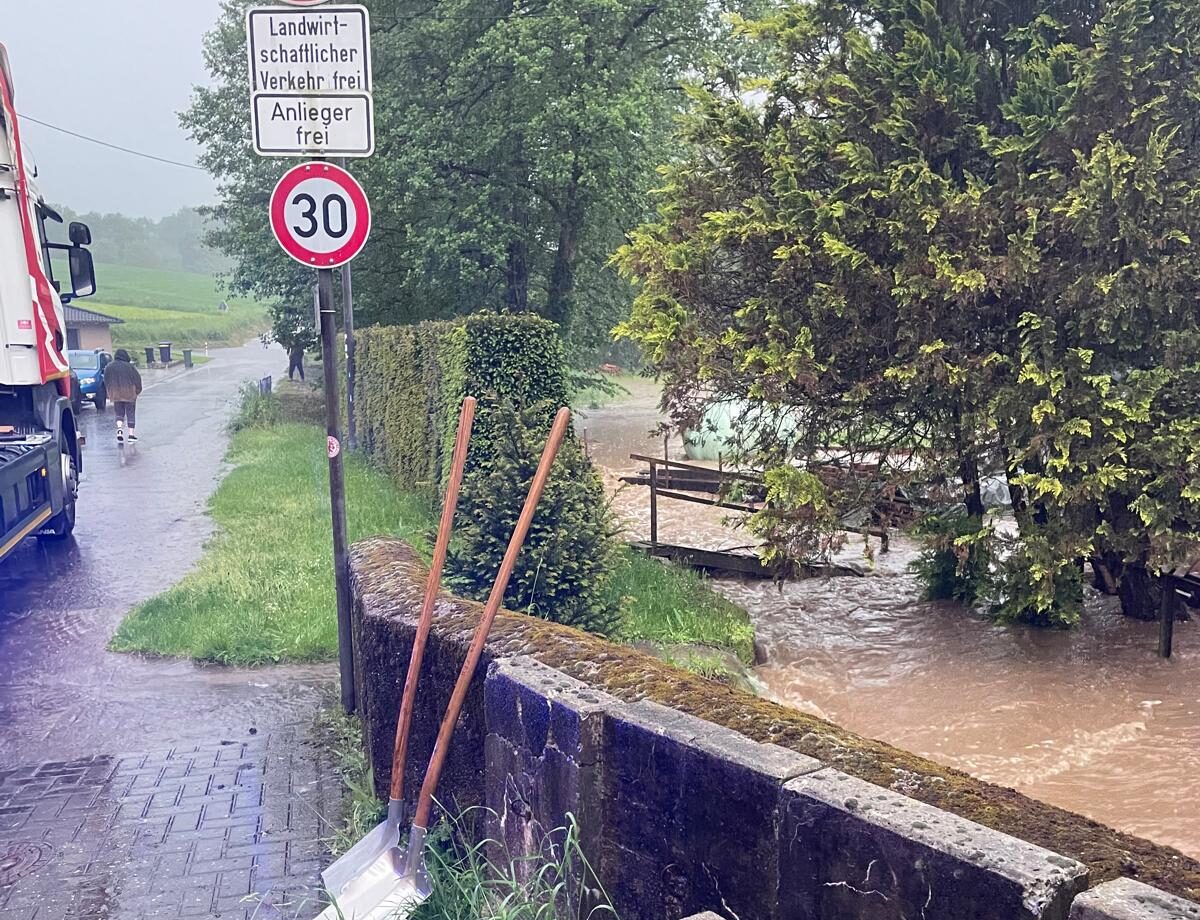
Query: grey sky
[{"x": 119, "y": 70}]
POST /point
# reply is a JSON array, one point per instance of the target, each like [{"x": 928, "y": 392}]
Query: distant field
[{"x": 179, "y": 307}]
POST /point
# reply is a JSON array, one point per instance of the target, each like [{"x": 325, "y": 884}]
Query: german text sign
[
  {"x": 311, "y": 80},
  {"x": 320, "y": 215}
]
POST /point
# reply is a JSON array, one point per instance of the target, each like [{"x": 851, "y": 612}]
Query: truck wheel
[
  {"x": 63, "y": 523},
  {"x": 101, "y": 399}
]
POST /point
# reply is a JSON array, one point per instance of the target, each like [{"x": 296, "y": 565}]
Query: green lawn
[
  {"x": 669, "y": 605},
  {"x": 179, "y": 307},
  {"x": 264, "y": 590},
  {"x": 624, "y": 387}
]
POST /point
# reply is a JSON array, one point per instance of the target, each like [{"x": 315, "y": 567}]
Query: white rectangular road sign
[
  {"x": 326, "y": 49},
  {"x": 331, "y": 124},
  {"x": 310, "y": 81}
]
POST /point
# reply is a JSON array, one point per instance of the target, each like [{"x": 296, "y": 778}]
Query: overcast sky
[{"x": 118, "y": 70}]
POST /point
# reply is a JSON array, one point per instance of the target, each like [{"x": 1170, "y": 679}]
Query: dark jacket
[{"x": 122, "y": 382}]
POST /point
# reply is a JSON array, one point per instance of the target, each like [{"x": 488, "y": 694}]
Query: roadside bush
[
  {"x": 255, "y": 409},
  {"x": 564, "y": 570},
  {"x": 956, "y": 560},
  {"x": 412, "y": 380}
]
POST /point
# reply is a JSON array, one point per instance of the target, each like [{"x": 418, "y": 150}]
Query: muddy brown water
[{"x": 1087, "y": 719}]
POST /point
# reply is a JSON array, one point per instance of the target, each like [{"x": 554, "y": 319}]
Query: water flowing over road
[
  {"x": 1088, "y": 719},
  {"x": 142, "y": 525}
]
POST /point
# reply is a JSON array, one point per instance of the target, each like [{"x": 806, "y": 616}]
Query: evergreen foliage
[
  {"x": 565, "y": 567},
  {"x": 968, "y": 227},
  {"x": 412, "y": 380}
]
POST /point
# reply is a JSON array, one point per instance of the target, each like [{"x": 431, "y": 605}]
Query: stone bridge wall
[{"x": 678, "y": 814}]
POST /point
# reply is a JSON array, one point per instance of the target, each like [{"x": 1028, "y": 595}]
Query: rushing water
[{"x": 1087, "y": 719}]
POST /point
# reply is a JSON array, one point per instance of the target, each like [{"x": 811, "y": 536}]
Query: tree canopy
[
  {"x": 956, "y": 239},
  {"x": 516, "y": 142}
]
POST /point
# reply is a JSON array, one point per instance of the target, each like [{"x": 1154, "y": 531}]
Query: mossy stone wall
[{"x": 387, "y": 583}]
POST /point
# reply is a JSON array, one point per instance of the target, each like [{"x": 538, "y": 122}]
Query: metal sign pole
[
  {"x": 337, "y": 485},
  {"x": 351, "y": 362}
]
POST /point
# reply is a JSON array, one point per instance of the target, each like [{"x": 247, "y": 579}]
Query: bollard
[
  {"x": 187, "y": 357},
  {"x": 149, "y": 356},
  {"x": 164, "y": 352}
]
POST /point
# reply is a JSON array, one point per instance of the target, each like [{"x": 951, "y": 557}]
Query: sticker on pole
[
  {"x": 320, "y": 215},
  {"x": 333, "y": 447}
]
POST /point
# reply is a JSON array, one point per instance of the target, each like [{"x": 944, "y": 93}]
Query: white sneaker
[
  {"x": 132, "y": 435},
  {"x": 121, "y": 433}
]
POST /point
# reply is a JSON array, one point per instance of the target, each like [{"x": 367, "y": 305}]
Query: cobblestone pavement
[
  {"x": 228, "y": 830},
  {"x": 136, "y": 788}
]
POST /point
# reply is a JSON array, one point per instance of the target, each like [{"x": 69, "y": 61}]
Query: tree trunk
[
  {"x": 516, "y": 271},
  {"x": 562, "y": 278},
  {"x": 1140, "y": 593},
  {"x": 968, "y": 470}
]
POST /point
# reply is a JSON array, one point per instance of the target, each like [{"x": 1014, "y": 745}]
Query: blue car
[{"x": 89, "y": 364}]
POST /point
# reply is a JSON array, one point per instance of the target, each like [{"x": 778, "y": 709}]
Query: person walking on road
[
  {"x": 296, "y": 361},
  {"x": 123, "y": 384}
]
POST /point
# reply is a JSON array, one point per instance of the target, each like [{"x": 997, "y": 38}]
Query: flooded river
[{"x": 1088, "y": 719}]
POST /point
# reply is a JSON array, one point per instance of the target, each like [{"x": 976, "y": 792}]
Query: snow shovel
[
  {"x": 399, "y": 880},
  {"x": 386, "y": 835}
]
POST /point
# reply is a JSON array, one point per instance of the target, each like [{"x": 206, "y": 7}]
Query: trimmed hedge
[{"x": 412, "y": 380}]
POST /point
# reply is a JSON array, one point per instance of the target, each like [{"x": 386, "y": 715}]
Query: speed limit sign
[{"x": 320, "y": 215}]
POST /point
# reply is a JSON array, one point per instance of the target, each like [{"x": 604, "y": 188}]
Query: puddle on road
[{"x": 1088, "y": 719}]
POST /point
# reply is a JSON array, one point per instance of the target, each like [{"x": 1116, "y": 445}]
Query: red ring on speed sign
[{"x": 355, "y": 220}]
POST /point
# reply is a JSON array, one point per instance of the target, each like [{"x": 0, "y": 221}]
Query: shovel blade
[
  {"x": 360, "y": 857},
  {"x": 382, "y": 892}
]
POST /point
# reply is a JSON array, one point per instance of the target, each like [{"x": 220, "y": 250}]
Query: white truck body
[
  {"x": 41, "y": 451},
  {"x": 22, "y": 329}
]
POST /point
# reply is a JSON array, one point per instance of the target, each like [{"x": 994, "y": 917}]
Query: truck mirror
[
  {"x": 79, "y": 234},
  {"x": 83, "y": 272}
]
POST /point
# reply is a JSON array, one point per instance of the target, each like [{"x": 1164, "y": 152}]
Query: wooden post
[
  {"x": 653, "y": 503},
  {"x": 1166, "y": 618},
  {"x": 667, "y": 456}
]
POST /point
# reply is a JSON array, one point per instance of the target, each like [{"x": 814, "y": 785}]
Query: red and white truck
[{"x": 41, "y": 449}]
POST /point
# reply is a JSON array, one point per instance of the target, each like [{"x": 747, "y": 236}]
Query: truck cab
[{"x": 41, "y": 450}]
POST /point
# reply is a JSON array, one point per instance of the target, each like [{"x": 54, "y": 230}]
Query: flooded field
[{"x": 1089, "y": 719}]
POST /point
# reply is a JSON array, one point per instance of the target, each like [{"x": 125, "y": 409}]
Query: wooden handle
[
  {"x": 462, "y": 442},
  {"x": 438, "y": 759}
]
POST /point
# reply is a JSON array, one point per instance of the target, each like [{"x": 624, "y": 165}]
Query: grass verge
[
  {"x": 342, "y": 735},
  {"x": 263, "y": 592},
  {"x": 669, "y": 605}
]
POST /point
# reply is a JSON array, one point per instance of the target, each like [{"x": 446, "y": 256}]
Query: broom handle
[
  {"x": 462, "y": 443},
  {"x": 438, "y": 760}
]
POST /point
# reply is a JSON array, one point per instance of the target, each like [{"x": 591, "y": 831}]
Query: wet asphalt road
[{"x": 142, "y": 525}]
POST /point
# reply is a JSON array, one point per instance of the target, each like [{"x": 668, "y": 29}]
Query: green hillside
[{"x": 179, "y": 307}]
